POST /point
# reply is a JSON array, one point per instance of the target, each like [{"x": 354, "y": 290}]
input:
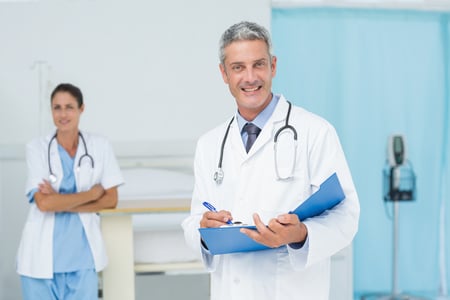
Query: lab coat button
[{"x": 237, "y": 280}]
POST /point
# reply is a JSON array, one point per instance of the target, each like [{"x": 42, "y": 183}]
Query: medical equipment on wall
[
  {"x": 400, "y": 183},
  {"x": 219, "y": 174},
  {"x": 52, "y": 177},
  {"x": 399, "y": 178}
]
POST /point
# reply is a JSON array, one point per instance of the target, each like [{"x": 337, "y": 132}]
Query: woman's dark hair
[{"x": 71, "y": 89}]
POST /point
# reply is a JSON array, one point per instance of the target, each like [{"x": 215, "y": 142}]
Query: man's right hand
[{"x": 215, "y": 219}]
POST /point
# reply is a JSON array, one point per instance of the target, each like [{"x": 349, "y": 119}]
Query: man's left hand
[{"x": 283, "y": 230}]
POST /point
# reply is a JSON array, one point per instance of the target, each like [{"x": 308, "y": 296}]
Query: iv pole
[
  {"x": 397, "y": 191},
  {"x": 445, "y": 176},
  {"x": 395, "y": 198},
  {"x": 43, "y": 69},
  {"x": 442, "y": 256},
  {"x": 395, "y": 290},
  {"x": 443, "y": 294}
]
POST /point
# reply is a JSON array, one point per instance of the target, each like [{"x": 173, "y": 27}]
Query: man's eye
[
  {"x": 237, "y": 68},
  {"x": 260, "y": 64}
]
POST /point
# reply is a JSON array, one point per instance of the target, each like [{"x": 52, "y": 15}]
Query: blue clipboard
[{"x": 223, "y": 240}]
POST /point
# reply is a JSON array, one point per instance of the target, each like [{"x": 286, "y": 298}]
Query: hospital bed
[
  {"x": 158, "y": 238},
  {"x": 143, "y": 235}
]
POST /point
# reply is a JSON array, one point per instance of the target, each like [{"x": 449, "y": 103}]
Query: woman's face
[{"x": 65, "y": 111}]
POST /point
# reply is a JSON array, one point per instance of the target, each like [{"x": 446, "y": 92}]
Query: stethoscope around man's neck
[
  {"x": 219, "y": 174},
  {"x": 52, "y": 177}
]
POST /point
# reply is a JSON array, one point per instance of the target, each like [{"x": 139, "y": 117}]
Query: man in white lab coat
[{"x": 260, "y": 185}]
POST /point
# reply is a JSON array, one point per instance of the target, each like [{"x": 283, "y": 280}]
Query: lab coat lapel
[
  {"x": 236, "y": 141},
  {"x": 55, "y": 161},
  {"x": 262, "y": 139}
]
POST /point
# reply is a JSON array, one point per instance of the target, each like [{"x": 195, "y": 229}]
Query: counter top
[{"x": 150, "y": 206}]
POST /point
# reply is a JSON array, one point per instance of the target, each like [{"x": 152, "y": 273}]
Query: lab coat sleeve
[
  {"x": 336, "y": 228},
  {"x": 192, "y": 223},
  {"x": 37, "y": 168}
]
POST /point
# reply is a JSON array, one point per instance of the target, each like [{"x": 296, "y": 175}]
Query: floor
[
  {"x": 183, "y": 286},
  {"x": 399, "y": 296}
]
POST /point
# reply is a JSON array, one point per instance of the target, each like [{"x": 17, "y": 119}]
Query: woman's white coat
[{"x": 35, "y": 257}]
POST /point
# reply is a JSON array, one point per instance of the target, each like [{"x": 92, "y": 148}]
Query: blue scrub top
[{"x": 71, "y": 250}]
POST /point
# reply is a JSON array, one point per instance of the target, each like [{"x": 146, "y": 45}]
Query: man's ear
[{"x": 224, "y": 73}]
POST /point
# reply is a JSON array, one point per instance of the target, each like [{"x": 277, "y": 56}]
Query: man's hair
[
  {"x": 71, "y": 89},
  {"x": 244, "y": 31}
]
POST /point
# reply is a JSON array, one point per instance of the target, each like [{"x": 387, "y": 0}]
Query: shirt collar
[{"x": 262, "y": 118}]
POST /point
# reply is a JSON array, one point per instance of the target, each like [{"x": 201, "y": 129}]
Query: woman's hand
[
  {"x": 97, "y": 191},
  {"x": 46, "y": 188}
]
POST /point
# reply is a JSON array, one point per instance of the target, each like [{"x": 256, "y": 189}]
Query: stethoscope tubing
[
  {"x": 52, "y": 176},
  {"x": 222, "y": 148},
  {"x": 219, "y": 174}
]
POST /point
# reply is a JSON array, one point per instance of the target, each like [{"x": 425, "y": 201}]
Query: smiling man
[
  {"x": 239, "y": 171},
  {"x": 248, "y": 69}
]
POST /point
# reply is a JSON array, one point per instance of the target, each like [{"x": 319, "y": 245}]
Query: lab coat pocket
[
  {"x": 33, "y": 244},
  {"x": 26, "y": 242},
  {"x": 96, "y": 220},
  {"x": 85, "y": 177},
  {"x": 90, "y": 220},
  {"x": 282, "y": 196}
]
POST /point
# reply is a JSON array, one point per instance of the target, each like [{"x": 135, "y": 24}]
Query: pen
[{"x": 212, "y": 208}]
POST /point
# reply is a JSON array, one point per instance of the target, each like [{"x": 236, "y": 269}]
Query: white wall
[
  {"x": 443, "y": 5},
  {"x": 147, "y": 68},
  {"x": 148, "y": 71},
  {"x": 12, "y": 218}
]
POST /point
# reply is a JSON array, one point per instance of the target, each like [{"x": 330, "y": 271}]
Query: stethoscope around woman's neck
[
  {"x": 218, "y": 174},
  {"x": 52, "y": 177}
]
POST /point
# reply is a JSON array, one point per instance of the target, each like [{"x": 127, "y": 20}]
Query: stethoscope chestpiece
[
  {"x": 52, "y": 178},
  {"x": 218, "y": 176}
]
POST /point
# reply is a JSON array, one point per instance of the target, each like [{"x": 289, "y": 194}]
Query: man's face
[{"x": 248, "y": 70}]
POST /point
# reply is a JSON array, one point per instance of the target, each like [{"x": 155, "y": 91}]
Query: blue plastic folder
[{"x": 223, "y": 240}]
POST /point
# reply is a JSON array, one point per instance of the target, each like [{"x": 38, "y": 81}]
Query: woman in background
[{"x": 71, "y": 176}]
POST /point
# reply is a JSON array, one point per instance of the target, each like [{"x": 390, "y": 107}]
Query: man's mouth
[{"x": 253, "y": 89}]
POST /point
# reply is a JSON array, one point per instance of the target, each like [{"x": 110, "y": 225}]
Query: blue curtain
[{"x": 373, "y": 73}]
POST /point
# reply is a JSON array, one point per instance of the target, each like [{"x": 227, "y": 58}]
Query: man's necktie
[{"x": 252, "y": 132}]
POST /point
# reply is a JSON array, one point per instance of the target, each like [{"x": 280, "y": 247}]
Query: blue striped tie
[{"x": 252, "y": 132}]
